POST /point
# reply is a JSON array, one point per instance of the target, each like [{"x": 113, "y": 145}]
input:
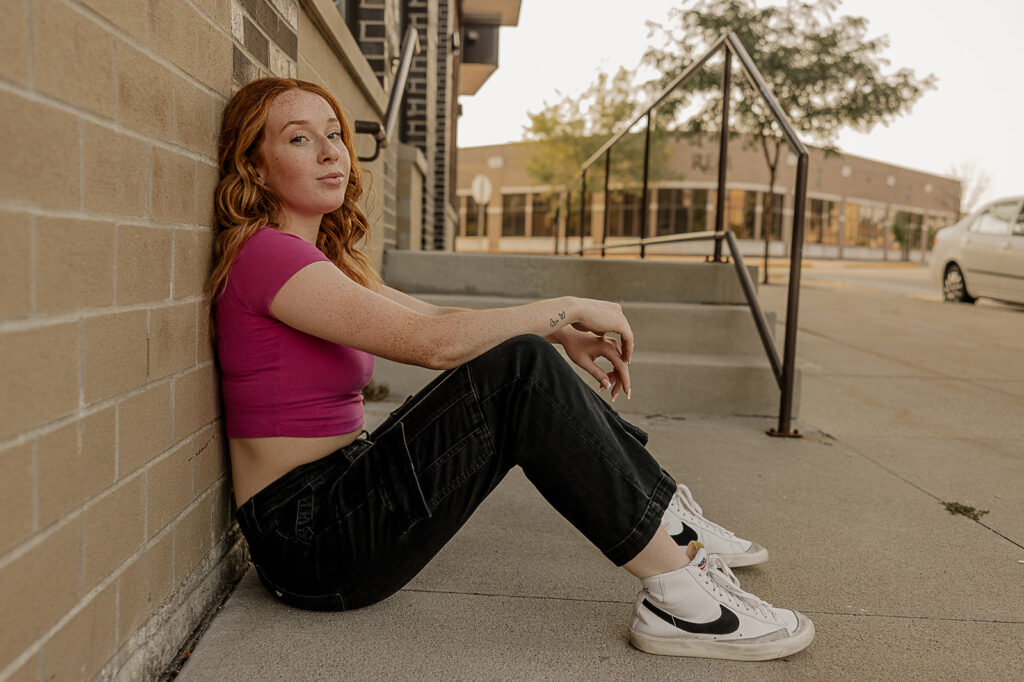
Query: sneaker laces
[
  {"x": 727, "y": 585},
  {"x": 682, "y": 502}
]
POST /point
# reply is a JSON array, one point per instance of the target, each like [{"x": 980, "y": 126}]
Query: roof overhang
[{"x": 503, "y": 12}]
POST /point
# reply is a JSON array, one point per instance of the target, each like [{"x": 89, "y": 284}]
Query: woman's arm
[
  {"x": 583, "y": 348},
  {"x": 320, "y": 300},
  {"x": 416, "y": 304}
]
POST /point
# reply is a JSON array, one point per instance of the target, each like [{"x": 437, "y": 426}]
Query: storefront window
[
  {"x": 624, "y": 213},
  {"x": 471, "y": 226},
  {"x": 542, "y": 224},
  {"x": 822, "y": 222},
  {"x": 774, "y": 227},
  {"x": 740, "y": 211},
  {"x": 905, "y": 232},
  {"x": 572, "y": 214},
  {"x": 681, "y": 210},
  {"x": 850, "y": 224},
  {"x": 868, "y": 226},
  {"x": 513, "y": 215}
]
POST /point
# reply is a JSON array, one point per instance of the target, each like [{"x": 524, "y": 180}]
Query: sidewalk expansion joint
[
  {"x": 901, "y": 617},
  {"x": 538, "y": 597},
  {"x": 928, "y": 493}
]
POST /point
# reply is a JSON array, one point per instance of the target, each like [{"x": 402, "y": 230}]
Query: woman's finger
[
  {"x": 621, "y": 371},
  {"x": 594, "y": 370}
]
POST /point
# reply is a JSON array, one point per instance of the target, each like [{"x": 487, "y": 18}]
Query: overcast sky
[{"x": 975, "y": 50}]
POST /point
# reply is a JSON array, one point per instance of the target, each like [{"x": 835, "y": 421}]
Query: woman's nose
[{"x": 329, "y": 152}]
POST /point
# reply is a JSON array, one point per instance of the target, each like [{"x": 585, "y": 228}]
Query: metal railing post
[
  {"x": 607, "y": 194},
  {"x": 784, "y": 369},
  {"x": 643, "y": 190},
  {"x": 568, "y": 217},
  {"x": 583, "y": 209},
  {"x": 558, "y": 223},
  {"x": 793, "y": 303},
  {"x": 723, "y": 152}
]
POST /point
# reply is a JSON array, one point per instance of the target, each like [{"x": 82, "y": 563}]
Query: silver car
[{"x": 983, "y": 254}]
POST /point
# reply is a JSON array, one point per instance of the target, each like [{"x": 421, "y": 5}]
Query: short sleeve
[{"x": 266, "y": 261}]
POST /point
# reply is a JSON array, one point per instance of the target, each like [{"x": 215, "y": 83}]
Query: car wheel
[{"x": 954, "y": 288}]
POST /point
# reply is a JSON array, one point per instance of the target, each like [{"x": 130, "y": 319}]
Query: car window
[{"x": 996, "y": 219}]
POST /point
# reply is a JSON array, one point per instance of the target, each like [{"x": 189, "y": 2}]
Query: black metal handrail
[
  {"x": 786, "y": 371},
  {"x": 741, "y": 270}
]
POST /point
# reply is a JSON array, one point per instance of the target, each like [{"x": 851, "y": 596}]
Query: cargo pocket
[{"x": 390, "y": 465}]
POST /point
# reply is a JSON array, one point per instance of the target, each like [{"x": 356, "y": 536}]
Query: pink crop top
[{"x": 276, "y": 380}]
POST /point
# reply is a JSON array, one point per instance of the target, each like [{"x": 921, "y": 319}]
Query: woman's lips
[{"x": 333, "y": 179}]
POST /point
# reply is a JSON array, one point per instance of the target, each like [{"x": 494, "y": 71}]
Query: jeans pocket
[{"x": 391, "y": 473}]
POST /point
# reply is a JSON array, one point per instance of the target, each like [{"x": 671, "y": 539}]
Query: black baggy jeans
[{"x": 349, "y": 529}]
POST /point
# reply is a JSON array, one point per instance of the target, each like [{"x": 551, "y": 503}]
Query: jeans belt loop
[{"x": 249, "y": 511}]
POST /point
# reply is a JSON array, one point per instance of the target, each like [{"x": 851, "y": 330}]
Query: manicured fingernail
[
  {"x": 604, "y": 384},
  {"x": 629, "y": 395}
]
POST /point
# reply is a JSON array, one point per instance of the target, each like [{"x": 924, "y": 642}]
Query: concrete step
[
  {"x": 670, "y": 327},
  {"x": 662, "y": 383},
  {"x": 533, "y": 277}
]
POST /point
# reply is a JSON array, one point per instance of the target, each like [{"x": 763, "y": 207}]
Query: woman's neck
[{"x": 304, "y": 229}]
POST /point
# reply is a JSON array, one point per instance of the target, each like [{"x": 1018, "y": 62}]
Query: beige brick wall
[
  {"x": 116, "y": 514},
  {"x": 114, "y": 488}
]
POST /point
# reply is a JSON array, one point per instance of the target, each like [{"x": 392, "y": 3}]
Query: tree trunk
[{"x": 767, "y": 221}]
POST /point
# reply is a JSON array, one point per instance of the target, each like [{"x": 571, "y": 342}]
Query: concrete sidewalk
[{"x": 907, "y": 404}]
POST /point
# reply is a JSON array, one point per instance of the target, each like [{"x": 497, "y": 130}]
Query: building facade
[
  {"x": 117, "y": 532},
  {"x": 856, "y": 208}
]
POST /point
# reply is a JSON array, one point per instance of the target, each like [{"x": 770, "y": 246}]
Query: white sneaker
[
  {"x": 700, "y": 610},
  {"x": 684, "y": 521}
]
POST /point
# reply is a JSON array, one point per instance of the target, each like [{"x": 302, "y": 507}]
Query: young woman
[{"x": 339, "y": 520}]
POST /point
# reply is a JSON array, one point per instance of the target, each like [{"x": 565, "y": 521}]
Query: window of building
[
  {"x": 774, "y": 226},
  {"x": 681, "y": 210},
  {"x": 471, "y": 214},
  {"x": 865, "y": 225},
  {"x": 542, "y": 223},
  {"x": 850, "y": 224},
  {"x": 572, "y": 213},
  {"x": 822, "y": 222},
  {"x": 905, "y": 232},
  {"x": 624, "y": 213},
  {"x": 740, "y": 212},
  {"x": 513, "y": 215}
]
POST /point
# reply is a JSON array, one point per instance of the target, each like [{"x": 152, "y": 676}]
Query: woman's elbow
[
  {"x": 430, "y": 355},
  {"x": 444, "y": 357}
]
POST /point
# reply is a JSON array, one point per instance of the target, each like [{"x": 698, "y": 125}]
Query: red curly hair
[{"x": 243, "y": 205}]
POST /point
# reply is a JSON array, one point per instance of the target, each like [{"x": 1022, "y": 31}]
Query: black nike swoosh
[
  {"x": 684, "y": 538},
  {"x": 725, "y": 624}
]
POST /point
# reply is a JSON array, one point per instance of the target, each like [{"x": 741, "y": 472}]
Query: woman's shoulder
[
  {"x": 269, "y": 246},
  {"x": 267, "y": 260}
]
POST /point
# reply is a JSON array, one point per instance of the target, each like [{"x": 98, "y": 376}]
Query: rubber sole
[
  {"x": 735, "y": 651},
  {"x": 755, "y": 555}
]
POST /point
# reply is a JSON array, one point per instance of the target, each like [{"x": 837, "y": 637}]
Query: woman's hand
[
  {"x": 584, "y": 348},
  {"x": 600, "y": 317}
]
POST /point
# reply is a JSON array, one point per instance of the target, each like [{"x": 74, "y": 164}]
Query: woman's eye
[
  {"x": 334, "y": 135},
  {"x": 298, "y": 138}
]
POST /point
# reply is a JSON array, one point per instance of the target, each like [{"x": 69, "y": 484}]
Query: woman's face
[{"x": 302, "y": 157}]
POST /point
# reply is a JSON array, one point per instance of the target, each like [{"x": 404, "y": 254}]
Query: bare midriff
[{"x": 258, "y": 462}]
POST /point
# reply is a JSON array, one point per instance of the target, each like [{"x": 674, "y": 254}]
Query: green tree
[
  {"x": 566, "y": 133},
  {"x": 825, "y": 72}
]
